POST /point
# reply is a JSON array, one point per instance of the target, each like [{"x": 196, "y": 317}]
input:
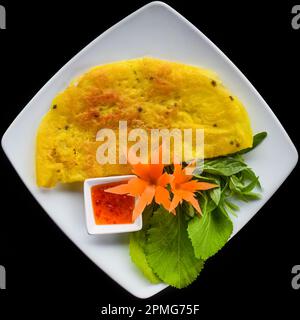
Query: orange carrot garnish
[
  {"x": 183, "y": 188},
  {"x": 149, "y": 184}
]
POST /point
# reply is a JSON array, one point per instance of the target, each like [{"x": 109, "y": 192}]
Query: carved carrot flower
[
  {"x": 149, "y": 184},
  {"x": 183, "y": 188}
]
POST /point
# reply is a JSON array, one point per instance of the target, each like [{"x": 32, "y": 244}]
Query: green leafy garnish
[
  {"x": 137, "y": 247},
  {"x": 209, "y": 232},
  {"x": 224, "y": 166},
  {"x": 169, "y": 250},
  {"x": 173, "y": 248},
  {"x": 257, "y": 139},
  {"x": 241, "y": 190}
]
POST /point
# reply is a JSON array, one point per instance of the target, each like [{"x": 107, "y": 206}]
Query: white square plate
[{"x": 159, "y": 31}]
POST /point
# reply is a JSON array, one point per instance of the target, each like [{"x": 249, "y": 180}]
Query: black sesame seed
[
  {"x": 231, "y": 98},
  {"x": 215, "y": 125},
  {"x": 54, "y": 106},
  {"x": 237, "y": 145},
  {"x": 231, "y": 142},
  {"x": 66, "y": 127},
  {"x": 214, "y": 83},
  {"x": 151, "y": 78},
  {"x": 140, "y": 109}
]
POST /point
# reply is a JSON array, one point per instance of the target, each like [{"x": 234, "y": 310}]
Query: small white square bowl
[{"x": 94, "y": 228}]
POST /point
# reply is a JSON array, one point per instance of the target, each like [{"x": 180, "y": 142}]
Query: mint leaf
[
  {"x": 209, "y": 232},
  {"x": 137, "y": 245},
  {"x": 169, "y": 250}
]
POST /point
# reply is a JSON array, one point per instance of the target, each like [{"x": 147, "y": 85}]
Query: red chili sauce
[{"x": 110, "y": 208}]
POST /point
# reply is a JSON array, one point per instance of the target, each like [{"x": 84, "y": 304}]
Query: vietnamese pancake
[{"x": 147, "y": 93}]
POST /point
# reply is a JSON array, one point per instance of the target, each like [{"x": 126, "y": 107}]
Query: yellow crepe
[{"x": 148, "y": 93}]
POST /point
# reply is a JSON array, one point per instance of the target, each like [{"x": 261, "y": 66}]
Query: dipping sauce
[{"x": 110, "y": 208}]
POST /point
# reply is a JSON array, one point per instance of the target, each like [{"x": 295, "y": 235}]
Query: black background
[{"x": 46, "y": 273}]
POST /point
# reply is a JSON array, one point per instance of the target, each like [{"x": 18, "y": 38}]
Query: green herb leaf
[
  {"x": 169, "y": 250},
  {"x": 188, "y": 209},
  {"x": 215, "y": 195},
  {"x": 206, "y": 204},
  {"x": 225, "y": 166},
  {"x": 230, "y": 206},
  {"x": 208, "y": 178},
  {"x": 257, "y": 139},
  {"x": 241, "y": 190},
  {"x": 137, "y": 246},
  {"x": 209, "y": 232},
  {"x": 248, "y": 174}
]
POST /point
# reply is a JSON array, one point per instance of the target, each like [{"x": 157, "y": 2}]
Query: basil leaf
[
  {"x": 225, "y": 166},
  {"x": 257, "y": 140}
]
